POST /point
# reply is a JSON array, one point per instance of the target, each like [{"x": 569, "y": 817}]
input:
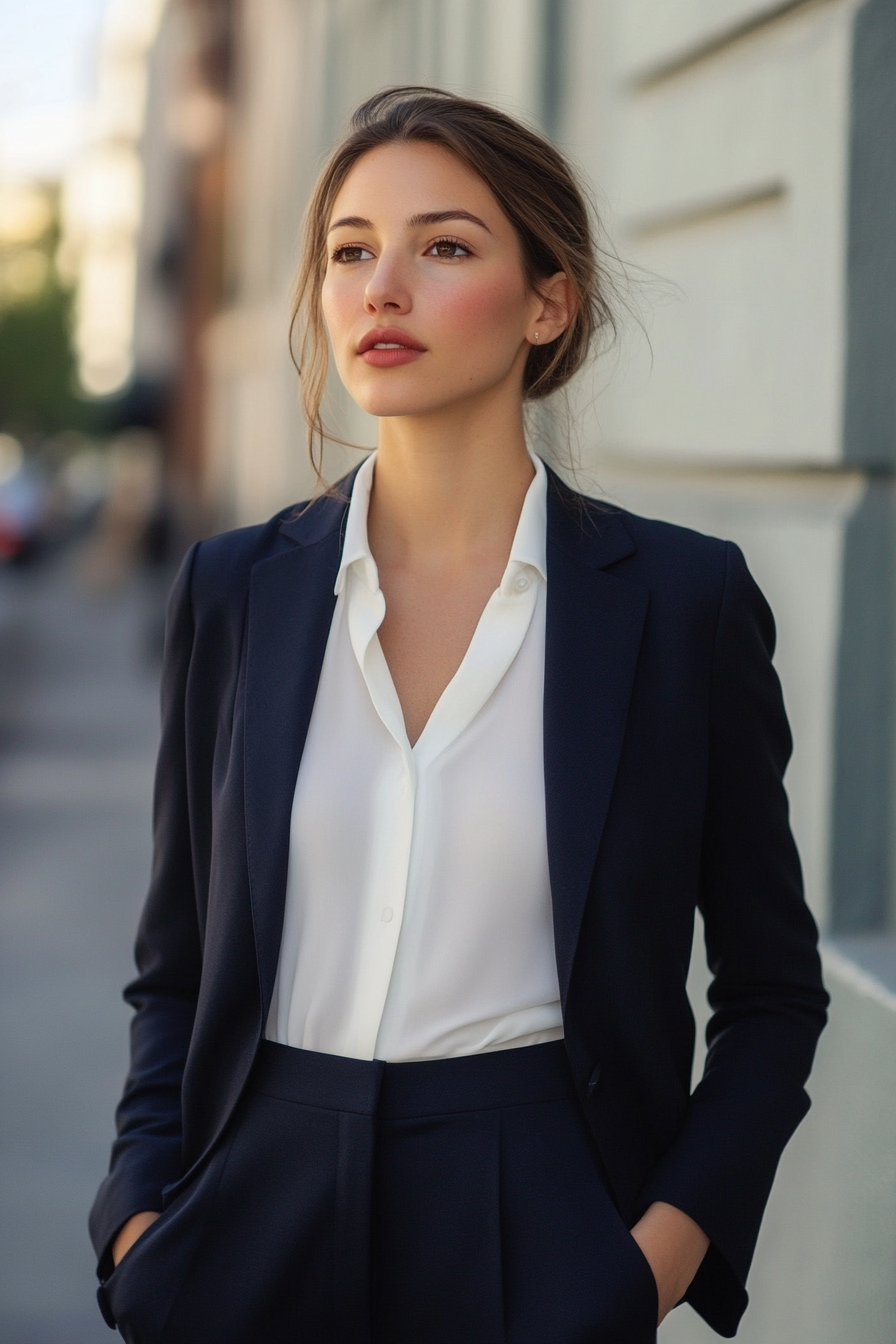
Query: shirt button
[
  {"x": 521, "y": 583},
  {"x": 387, "y": 914}
]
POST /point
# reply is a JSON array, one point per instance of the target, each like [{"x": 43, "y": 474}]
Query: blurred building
[
  {"x": 744, "y": 154},
  {"x": 144, "y": 218}
]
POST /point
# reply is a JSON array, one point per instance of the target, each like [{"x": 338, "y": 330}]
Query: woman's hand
[
  {"x": 131, "y": 1232},
  {"x": 674, "y": 1246}
]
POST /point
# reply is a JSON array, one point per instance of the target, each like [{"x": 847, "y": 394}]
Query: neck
[{"x": 449, "y": 487}]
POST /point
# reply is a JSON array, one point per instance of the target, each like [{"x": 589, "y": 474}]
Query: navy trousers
[{"x": 447, "y": 1202}]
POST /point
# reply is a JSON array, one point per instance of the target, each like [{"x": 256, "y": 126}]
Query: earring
[{"x": 536, "y": 338}]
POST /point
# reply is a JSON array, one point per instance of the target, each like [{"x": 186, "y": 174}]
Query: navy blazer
[{"x": 665, "y": 744}]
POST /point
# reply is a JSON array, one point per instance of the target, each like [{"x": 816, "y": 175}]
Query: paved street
[{"x": 78, "y": 725}]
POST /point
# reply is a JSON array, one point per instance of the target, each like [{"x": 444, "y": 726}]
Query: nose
[{"x": 387, "y": 289}]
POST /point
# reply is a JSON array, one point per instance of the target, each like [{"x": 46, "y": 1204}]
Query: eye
[
  {"x": 349, "y": 252},
  {"x": 448, "y": 249}
]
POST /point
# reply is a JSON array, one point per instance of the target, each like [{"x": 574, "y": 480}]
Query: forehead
[{"x": 403, "y": 180}]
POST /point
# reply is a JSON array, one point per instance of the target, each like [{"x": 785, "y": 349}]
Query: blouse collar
[{"x": 528, "y": 550}]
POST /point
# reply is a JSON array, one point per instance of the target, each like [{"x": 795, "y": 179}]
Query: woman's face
[{"x": 424, "y": 296}]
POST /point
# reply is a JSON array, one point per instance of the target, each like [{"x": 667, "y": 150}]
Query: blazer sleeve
[
  {"x": 768, "y": 1001},
  {"x": 146, "y": 1155}
]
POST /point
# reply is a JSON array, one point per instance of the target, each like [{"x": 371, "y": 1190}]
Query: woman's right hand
[{"x": 131, "y": 1232}]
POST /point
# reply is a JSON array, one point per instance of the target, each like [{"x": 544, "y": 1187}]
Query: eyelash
[
  {"x": 454, "y": 242},
  {"x": 338, "y": 255}
]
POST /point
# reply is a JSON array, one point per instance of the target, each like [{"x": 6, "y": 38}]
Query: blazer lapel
[
  {"x": 291, "y": 603},
  {"x": 594, "y": 625}
]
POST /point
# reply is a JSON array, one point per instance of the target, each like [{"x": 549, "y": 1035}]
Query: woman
[{"x": 449, "y": 758}]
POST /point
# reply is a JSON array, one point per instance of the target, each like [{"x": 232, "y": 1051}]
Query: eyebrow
[
  {"x": 442, "y": 217},
  {"x": 415, "y": 221}
]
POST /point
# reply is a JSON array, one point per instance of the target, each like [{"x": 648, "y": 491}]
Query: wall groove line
[
  {"x": 682, "y": 62},
  {"x": 700, "y": 212}
]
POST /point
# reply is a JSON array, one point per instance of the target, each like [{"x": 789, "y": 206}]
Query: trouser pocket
[
  {"x": 272, "y": 1241},
  {"x": 572, "y": 1271},
  {"x": 261, "y": 1263},
  {"x": 142, "y": 1288}
]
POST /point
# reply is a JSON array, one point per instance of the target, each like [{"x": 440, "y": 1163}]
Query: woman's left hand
[{"x": 674, "y": 1246}]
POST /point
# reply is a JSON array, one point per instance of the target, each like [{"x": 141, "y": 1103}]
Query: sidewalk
[{"x": 78, "y": 727}]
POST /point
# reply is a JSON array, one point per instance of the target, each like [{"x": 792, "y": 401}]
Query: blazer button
[{"x": 594, "y": 1080}]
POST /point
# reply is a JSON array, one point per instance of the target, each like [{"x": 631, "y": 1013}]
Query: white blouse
[{"x": 418, "y": 918}]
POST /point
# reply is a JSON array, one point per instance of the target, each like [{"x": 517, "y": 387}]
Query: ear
[{"x": 553, "y": 308}]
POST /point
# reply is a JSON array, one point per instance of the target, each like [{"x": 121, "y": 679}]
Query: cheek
[
  {"x": 339, "y": 306},
  {"x": 482, "y": 312}
]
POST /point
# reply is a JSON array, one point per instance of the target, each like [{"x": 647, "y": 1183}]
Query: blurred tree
[
  {"x": 38, "y": 393},
  {"x": 37, "y": 368}
]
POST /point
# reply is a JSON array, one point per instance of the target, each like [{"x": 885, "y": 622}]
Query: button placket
[{"x": 385, "y": 902}]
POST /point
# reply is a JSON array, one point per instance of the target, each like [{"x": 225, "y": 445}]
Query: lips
[
  {"x": 389, "y": 336},
  {"x": 387, "y": 347}
]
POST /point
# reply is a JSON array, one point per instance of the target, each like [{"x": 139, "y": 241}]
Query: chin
[
  {"x": 387, "y": 402},
  {"x": 386, "y": 408}
]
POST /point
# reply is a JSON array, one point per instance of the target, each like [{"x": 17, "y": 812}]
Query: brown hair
[{"x": 533, "y": 184}]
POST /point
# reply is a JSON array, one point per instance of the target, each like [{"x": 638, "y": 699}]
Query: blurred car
[{"x": 22, "y": 492}]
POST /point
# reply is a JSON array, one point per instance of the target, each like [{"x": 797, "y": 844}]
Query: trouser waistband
[{"x": 515, "y": 1077}]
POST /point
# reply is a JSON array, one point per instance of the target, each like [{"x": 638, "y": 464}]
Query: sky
[{"x": 47, "y": 60}]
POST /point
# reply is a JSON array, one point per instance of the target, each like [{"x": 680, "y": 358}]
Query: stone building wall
[{"x": 743, "y": 155}]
